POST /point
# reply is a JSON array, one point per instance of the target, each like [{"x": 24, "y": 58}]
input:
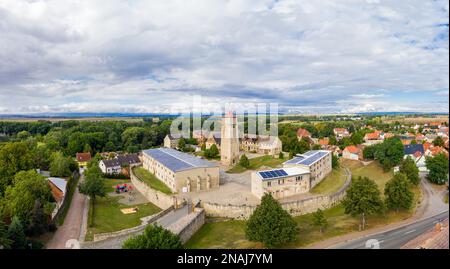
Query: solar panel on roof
[
  {"x": 273, "y": 173},
  {"x": 175, "y": 160}
]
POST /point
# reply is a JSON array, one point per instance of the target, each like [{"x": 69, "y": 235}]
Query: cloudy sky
[{"x": 143, "y": 56}]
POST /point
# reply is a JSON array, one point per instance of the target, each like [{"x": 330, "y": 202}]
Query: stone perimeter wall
[
  {"x": 131, "y": 231},
  {"x": 295, "y": 208},
  {"x": 189, "y": 225}
]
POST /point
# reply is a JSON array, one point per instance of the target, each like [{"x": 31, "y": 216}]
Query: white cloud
[{"x": 144, "y": 55}]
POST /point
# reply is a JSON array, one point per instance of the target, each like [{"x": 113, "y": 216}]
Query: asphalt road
[{"x": 394, "y": 239}]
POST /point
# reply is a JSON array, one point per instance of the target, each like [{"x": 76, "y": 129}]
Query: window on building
[{"x": 269, "y": 184}]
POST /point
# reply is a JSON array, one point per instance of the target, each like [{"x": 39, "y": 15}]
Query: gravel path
[{"x": 71, "y": 229}]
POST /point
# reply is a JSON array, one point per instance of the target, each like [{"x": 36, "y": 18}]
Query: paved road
[
  {"x": 432, "y": 204},
  {"x": 71, "y": 229},
  {"x": 394, "y": 239}
]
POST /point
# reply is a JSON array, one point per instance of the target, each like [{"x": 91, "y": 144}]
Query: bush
[
  {"x": 116, "y": 176},
  {"x": 154, "y": 237},
  {"x": 244, "y": 162}
]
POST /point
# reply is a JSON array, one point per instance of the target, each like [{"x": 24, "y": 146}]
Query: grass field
[
  {"x": 373, "y": 171},
  {"x": 231, "y": 234},
  {"x": 258, "y": 162},
  {"x": 331, "y": 184},
  {"x": 151, "y": 180},
  {"x": 108, "y": 217}
]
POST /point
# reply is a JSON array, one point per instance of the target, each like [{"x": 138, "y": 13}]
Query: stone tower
[{"x": 229, "y": 145}]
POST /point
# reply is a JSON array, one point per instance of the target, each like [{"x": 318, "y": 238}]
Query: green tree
[
  {"x": 363, "y": 198},
  {"x": 319, "y": 220},
  {"x": 39, "y": 220},
  {"x": 409, "y": 168},
  {"x": 213, "y": 151},
  {"x": 181, "y": 144},
  {"x": 41, "y": 157},
  {"x": 357, "y": 138},
  {"x": 270, "y": 224},
  {"x": 59, "y": 165},
  {"x": 93, "y": 186},
  {"x": 5, "y": 242},
  {"x": 16, "y": 233},
  {"x": 87, "y": 148},
  {"x": 23, "y": 135},
  {"x": 315, "y": 147},
  {"x": 14, "y": 157},
  {"x": 281, "y": 155},
  {"x": 398, "y": 194},
  {"x": 335, "y": 161},
  {"x": 438, "y": 168},
  {"x": 389, "y": 153},
  {"x": 369, "y": 152},
  {"x": 332, "y": 140},
  {"x": 20, "y": 198},
  {"x": 438, "y": 142},
  {"x": 244, "y": 162},
  {"x": 154, "y": 237}
]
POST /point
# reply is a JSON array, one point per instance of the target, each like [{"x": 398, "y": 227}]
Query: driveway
[{"x": 71, "y": 229}]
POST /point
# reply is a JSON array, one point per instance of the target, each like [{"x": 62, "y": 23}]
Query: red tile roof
[
  {"x": 417, "y": 154},
  {"x": 83, "y": 157},
  {"x": 426, "y": 146},
  {"x": 352, "y": 149},
  {"x": 372, "y": 136},
  {"x": 324, "y": 141},
  {"x": 303, "y": 133},
  {"x": 420, "y": 137}
]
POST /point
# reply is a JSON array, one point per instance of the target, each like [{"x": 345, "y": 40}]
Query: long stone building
[
  {"x": 262, "y": 144},
  {"x": 181, "y": 172},
  {"x": 298, "y": 175}
]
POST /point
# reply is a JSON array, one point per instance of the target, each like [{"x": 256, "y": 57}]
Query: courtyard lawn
[
  {"x": 107, "y": 215},
  {"x": 231, "y": 233},
  {"x": 258, "y": 162},
  {"x": 151, "y": 180},
  {"x": 331, "y": 184}
]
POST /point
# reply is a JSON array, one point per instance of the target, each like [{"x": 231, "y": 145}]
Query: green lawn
[
  {"x": 151, "y": 180},
  {"x": 258, "y": 162},
  {"x": 231, "y": 233},
  {"x": 108, "y": 217},
  {"x": 331, "y": 184},
  {"x": 373, "y": 171}
]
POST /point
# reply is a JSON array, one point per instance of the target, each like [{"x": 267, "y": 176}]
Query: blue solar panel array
[
  {"x": 295, "y": 160},
  {"x": 175, "y": 160},
  {"x": 273, "y": 174},
  {"x": 307, "y": 158}
]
